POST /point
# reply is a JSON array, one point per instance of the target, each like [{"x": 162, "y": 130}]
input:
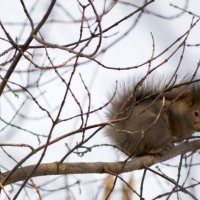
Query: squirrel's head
[
  {"x": 194, "y": 114},
  {"x": 191, "y": 107},
  {"x": 185, "y": 106}
]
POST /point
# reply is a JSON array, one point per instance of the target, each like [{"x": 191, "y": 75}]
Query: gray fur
[{"x": 152, "y": 117}]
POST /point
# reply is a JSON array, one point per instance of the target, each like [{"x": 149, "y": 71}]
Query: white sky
[{"x": 133, "y": 49}]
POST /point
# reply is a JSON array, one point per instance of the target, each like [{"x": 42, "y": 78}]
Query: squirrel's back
[{"x": 152, "y": 115}]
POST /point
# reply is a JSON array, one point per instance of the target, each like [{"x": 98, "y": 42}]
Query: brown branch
[
  {"x": 24, "y": 48},
  {"x": 99, "y": 167}
]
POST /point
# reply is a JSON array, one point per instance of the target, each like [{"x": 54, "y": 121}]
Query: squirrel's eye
[{"x": 196, "y": 113}]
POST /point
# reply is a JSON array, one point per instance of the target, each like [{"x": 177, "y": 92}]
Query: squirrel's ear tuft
[
  {"x": 195, "y": 93},
  {"x": 193, "y": 96}
]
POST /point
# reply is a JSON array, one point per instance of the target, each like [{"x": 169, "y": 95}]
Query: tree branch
[
  {"x": 100, "y": 167},
  {"x": 25, "y": 46}
]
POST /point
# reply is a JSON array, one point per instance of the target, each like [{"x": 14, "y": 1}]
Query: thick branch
[{"x": 100, "y": 167}]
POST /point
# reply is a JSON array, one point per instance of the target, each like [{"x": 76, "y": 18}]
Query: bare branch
[{"x": 100, "y": 167}]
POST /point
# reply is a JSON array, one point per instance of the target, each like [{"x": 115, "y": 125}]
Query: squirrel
[{"x": 146, "y": 118}]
